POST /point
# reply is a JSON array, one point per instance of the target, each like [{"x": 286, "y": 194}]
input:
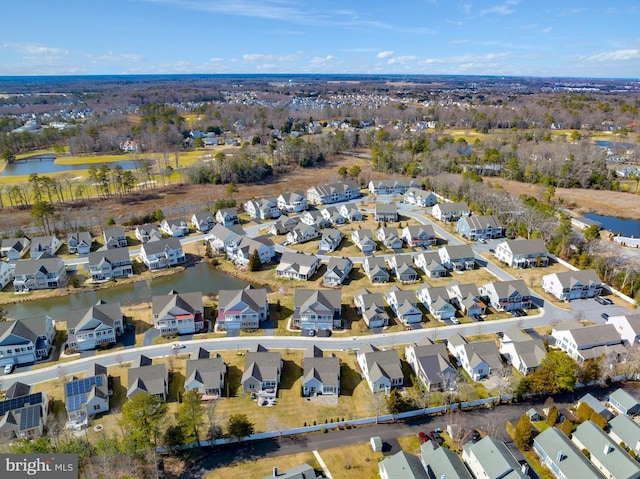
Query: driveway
[{"x": 149, "y": 336}]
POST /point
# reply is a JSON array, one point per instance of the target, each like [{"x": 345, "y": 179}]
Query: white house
[
  {"x": 507, "y": 295},
  {"x": 371, "y": 307},
  {"x": 389, "y": 237},
  {"x": 263, "y": 208},
  {"x": 15, "y": 248},
  {"x": 6, "y": 275},
  {"x": 222, "y": 237},
  {"x": 240, "y": 252},
  {"x": 202, "y": 221},
  {"x": 86, "y": 397},
  {"x": 436, "y": 300},
  {"x": 147, "y": 232},
  {"x": 321, "y": 374},
  {"x": 570, "y": 285},
  {"x": 587, "y": 342},
  {"x": 106, "y": 264},
  {"x": 381, "y": 369},
  {"x": 303, "y": 233},
  {"x": 97, "y": 326},
  {"x": 242, "y": 308},
  {"x": 522, "y": 253},
  {"x": 178, "y": 313},
  {"x": 419, "y": 197},
  {"x": 479, "y": 227},
  {"x": 115, "y": 237},
  {"x": 298, "y": 266},
  {"x": 331, "y": 238},
  {"x": 376, "y": 269},
  {"x": 174, "y": 227},
  {"x": 79, "y": 242},
  {"x": 333, "y": 193},
  {"x": 338, "y": 270},
  {"x": 44, "y": 245},
  {"x": 315, "y": 310},
  {"x": 404, "y": 305},
  {"x": 421, "y": 235},
  {"x": 457, "y": 257},
  {"x": 43, "y": 273},
  {"x": 227, "y": 217},
  {"x": 363, "y": 239},
  {"x": 448, "y": 212},
  {"x": 162, "y": 253},
  {"x": 522, "y": 351},
  {"x": 628, "y": 327},
  {"x": 350, "y": 211},
  {"x": 477, "y": 358},
  {"x": 291, "y": 202},
  {"x": 489, "y": 458}
]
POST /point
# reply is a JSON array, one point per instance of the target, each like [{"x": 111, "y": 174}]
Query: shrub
[{"x": 323, "y": 430}]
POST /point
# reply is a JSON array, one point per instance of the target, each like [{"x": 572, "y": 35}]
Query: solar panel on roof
[
  {"x": 19, "y": 402},
  {"x": 81, "y": 386},
  {"x": 74, "y": 403},
  {"x": 29, "y": 417}
]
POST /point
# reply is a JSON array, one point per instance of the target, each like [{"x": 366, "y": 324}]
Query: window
[{"x": 96, "y": 407}]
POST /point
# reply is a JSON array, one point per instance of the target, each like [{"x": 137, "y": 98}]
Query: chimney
[
  {"x": 608, "y": 448},
  {"x": 560, "y": 456},
  {"x": 275, "y": 471},
  {"x": 525, "y": 469}
]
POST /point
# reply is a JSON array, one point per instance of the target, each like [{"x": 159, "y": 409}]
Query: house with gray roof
[
  {"x": 106, "y": 264},
  {"x": 371, "y": 307},
  {"x": 115, "y": 237},
  {"x": 628, "y": 326},
  {"x": 79, "y": 242},
  {"x": 242, "y": 308},
  {"x": 338, "y": 270},
  {"x": 477, "y": 358},
  {"x": 568, "y": 285},
  {"x": 402, "y": 465},
  {"x": 430, "y": 362},
  {"x": 262, "y": 370},
  {"x": 419, "y": 236},
  {"x": 489, "y": 458},
  {"x": 389, "y": 237},
  {"x": 303, "y": 471},
  {"x": 147, "y": 232},
  {"x": 86, "y": 397},
  {"x": 15, "y": 248},
  {"x": 330, "y": 240},
  {"x": 404, "y": 305},
  {"x": 239, "y": 252},
  {"x": 420, "y": 197},
  {"x": 176, "y": 227},
  {"x": 227, "y": 216},
  {"x": 436, "y": 300},
  {"x": 162, "y": 253},
  {"x": 624, "y": 402},
  {"x": 396, "y": 186},
  {"x": 440, "y": 462},
  {"x": 448, "y": 212},
  {"x": 430, "y": 264},
  {"x": 41, "y": 245},
  {"x": 595, "y": 404},
  {"x": 263, "y": 208},
  {"x": 203, "y": 221},
  {"x": 587, "y": 342},
  {"x": 315, "y": 310},
  {"x": 375, "y": 267},
  {"x": 522, "y": 351},
  {"x": 46, "y": 272},
  {"x": 624, "y": 429},
  {"x": 23, "y": 415},
  {"x": 321, "y": 373},
  {"x": 607, "y": 456},
  {"x": 333, "y": 193},
  {"x": 178, "y": 313},
  {"x": 522, "y": 253},
  {"x": 350, "y": 211},
  {"x": 24, "y": 341},
  {"x": 222, "y": 237},
  {"x": 93, "y": 327},
  {"x": 457, "y": 257},
  {"x": 6, "y": 275},
  {"x": 466, "y": 298},
  {"x": 479, "y": 227},
  {"x": 283, "y": 225},
  {"x": 363, "y": 239},
  {"x": 303, "y": 233},
  {"x": 381, "y": 368},
  {"x": 402, "y": 268},
  {"x": 205, "y": 373},
  {"x": 298, "y": 266},
  {"x": 507, "y": 295},
  {"x": 386, "y": 212},
  {"x": 333, "y": 216},
  {"x": 562, "y": 457},
  {"x": 144, "y": 377},
  {"x": 292, "y": 202}
]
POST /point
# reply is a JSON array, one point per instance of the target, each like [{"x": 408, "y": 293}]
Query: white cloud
[
  {"x": 34, "y": 48},
  {"x": 504, "y": 9},
  {"x": 403, "y": 60},
  {"x": 385, "y": 54},
  {"x": 266, "y": 58},
  {"x": 322, "y": 60},
  {"x": 616, "y": 55}
]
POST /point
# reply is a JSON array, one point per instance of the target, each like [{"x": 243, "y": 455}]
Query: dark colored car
[
  {"x": 475, "y": 435},
  {"x": 601, "y": 300},
  {"x": 423, "y": 437},
  {"x": 604, "y": 316}
]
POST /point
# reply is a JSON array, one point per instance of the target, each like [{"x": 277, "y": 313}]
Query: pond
[
  {"x": 201, "y": 277},
  {"x": 613, "y": 144},
  {"x": 624, "y": 226},
  {"x": 46, "y": 164}
]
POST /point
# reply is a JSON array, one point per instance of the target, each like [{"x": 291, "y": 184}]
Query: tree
[
  {"x": 566, "y": 427},
  {"x": 231, "y": 189},
  {"x": 552, "y": 416},
  {"x": 239, "y": 427},
  {"x": 173, "y": 437},
  {"x": 142, "y": 417},
  {"x": 7, "y": 155},
  {"x": 3, "y": 314},
  {"x": 395, "y": 402},
  {"x": 198, "y": 142},
  {"x": 158, "y": 215},
  {"x": 523, "y": 433},
  {"x": 254, "y": 261},
  {"x": 189, "y": 415},
  {"x": 355, "y": 171},
  {"x": 584, "y": 411},
  {"x": 343, "y": 172},
  {"x": 592, "y": 232},
  {"x": 42, "y": 211}
]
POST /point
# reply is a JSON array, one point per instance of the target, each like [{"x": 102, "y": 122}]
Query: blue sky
[{"x": 505, "y": 37}]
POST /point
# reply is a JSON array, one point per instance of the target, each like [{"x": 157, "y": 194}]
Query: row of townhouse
[
  {"x": 397, "y": 186},
  {"x": 203, "y": 221},
  {"x": 333, "y": 193},
  {"x": 394, "y": 238}
]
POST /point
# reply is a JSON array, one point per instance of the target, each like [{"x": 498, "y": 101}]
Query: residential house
[
  {"x": 262, "y": 370},
  {"x": 404, "y": 305},
  {"x": 333, "y": 216},
  {"x": 15, "y": 248},
  {"x": 298, "y": 266},
  {"x": 79, "y": 242},
  {"x": 338, "y": 270},
  {"x": 381, "y": 369},
  {"x": 386, "y": 212},
  {"x": 479, "y": 227},
  {"x": 457, "y": 257},
  {"x": 263, "y": 208},
  {"x": 522, "y": 253},
  {"x": 333, "y": 193},
  {"x": 436, "y": 300},
  {"x": 291, "y": 202},
  {"x": 205, "y": 374},
  {"x": 227, "y": 217},
  {"x": 623, "y": 402},
  {"x": 147, "y": 232},
  {"x": 421, "y": 235},
  {"x": 331, "y": 239},
  {"x": 363, "y": 239},
  {"x": 162, "y": 253},
  {"x": 430, "y": 363},
  {"x": 283, "y": 225},
  {"x": 6, "y": 274},
  {"x": 376, "y": 269},
  {"x": 420, "y": 197},
  {"x": 303, "y": 471},
  {"x": 115, "y": 237},
  {"x": 97, "y": 326},
  {"x": 561, "y": 456},
  {"x": 23, "y": 415},
  {"x": 107, "y": 264},
  {"x": 144, "y": 377},
  {"x": 43, "y": 273},
  {"x": 441, "y": 462},
  {"x": 466, "y": 298},
  {"x": 607, "y": 456},
  {"x": 402, "y": 267},
  {"x": 24, "y": 341},
  {"x": 429, "y": 263},
  {"x": 402, "y": 465},
  {"x": 44, "y": 245},
  {"x": 570, "y": 285},
  {"x": 314, "y": 218},
  {"x": 389, "y": 237},
  {"x": 303, "y": 233},
  {"x": 448, "y": 212},
  {"x": 477, "y": 358},
  {"x": 507, "y": 295},
  {"x": 624, "y": 429},
  {"x": 242, "y": 308},
  {"x": 392, "y": 187},
  {"x": 84, "y": 398},
  {"x": 371, "y": 307},
  {"x": 628, "y": 327},
  {"x": 223, "y": 237},
  {"x": 489, "y": 458},
  {"x": 315, "y": 310},
  {"x": 595, "y": 404},
  {"x": 176, "y": 227},
  {"x": 178, "y": 313},
  {"x": 202, "y": 221},
  {"x": 321, "y": 374},
  {"x": 240, "y": 252},
  {"x": 350, "y": 211},
  {"x": 587, "y": 342},
  {"x": 522, "y": 351}
]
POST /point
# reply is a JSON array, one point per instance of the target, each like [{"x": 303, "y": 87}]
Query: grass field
[{"x": 264, "y": 467}]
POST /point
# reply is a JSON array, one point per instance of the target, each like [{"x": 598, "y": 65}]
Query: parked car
[
  {"x": 455, "y": 320},
  {"x": 8, "y": 369},
  {"x": 491, "y": 250},
  {"x": 475, "y": 435},
  {"x": 604, "y": 316},
  {"x": 601, "y": 300},
  {"x": 423, "y": 437},
  {"x": 178, "y": 346},
  {"x": 482, "y": 240}
]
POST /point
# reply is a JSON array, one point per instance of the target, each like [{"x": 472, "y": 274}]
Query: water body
[
  {"x": 613, "y": 144},
  {"x": 48, "y": 165},
  {"x": 202, "y": 277},
  {"x": 625, "y": 227}
]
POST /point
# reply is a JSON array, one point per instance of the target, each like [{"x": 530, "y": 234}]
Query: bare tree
[
  {"x": 212, "y": 419},
  {"x": 503, "y": 377}
]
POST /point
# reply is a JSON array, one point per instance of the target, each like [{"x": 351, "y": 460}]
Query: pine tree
[
  {"x": 254, "y": 261},
  {"x": 523, "y": 434}
]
